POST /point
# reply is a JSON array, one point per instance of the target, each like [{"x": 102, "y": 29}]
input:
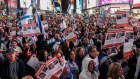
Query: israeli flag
[
  {"x": 69, "y": 9},
  {"x": 27, "y": 16},
  {"x": 39, "y": 24}
]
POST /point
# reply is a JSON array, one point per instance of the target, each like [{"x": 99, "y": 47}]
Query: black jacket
[{"x": 5, "y": 71}]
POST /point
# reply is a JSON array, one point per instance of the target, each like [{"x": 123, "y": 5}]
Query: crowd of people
[{"x": 85, "y": 56}]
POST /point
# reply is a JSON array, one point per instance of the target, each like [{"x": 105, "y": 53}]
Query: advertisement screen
[
  {"x": 91, "y": 3},
  {"x": 46, "y": 4},
  {"x": 101, "y": 2}
]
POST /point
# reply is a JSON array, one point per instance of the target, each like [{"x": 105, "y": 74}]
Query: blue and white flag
[
  {"x": 39, "y": 23},
  {"x": 69, "y": 9},
  {"x": 27, "y": 16}
]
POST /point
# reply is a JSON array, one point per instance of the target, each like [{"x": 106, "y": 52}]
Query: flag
[
  {"x": 39, "y": 24},
  {"x": 27, "y": 16},
  {"x": 69, "y": 9}
]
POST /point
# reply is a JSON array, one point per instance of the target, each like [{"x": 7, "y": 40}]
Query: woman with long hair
[{"x": 115, "y": 71}]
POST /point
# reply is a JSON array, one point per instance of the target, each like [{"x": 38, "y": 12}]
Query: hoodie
[{"x": 85, "y": 74}]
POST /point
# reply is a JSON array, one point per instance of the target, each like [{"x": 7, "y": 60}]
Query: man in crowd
[{"x": 12, "y": 68}]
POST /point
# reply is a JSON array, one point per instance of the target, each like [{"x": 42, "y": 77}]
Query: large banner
[{"x": 50, "y": 68}]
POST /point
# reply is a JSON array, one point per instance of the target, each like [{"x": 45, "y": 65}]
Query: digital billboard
[
  {"x": 25, "y": 3},
  {"x": 46, "y": 4},
  {"x": 91, "y": 3},
  {"x": 101, "y": 2}
]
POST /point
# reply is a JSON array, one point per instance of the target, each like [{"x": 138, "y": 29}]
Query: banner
[
  {"x": 46, "y": 71},
  {"x": 29, "y": 30}
]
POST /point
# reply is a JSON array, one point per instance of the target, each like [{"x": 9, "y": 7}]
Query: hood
[{"x": 85, "y": 63}]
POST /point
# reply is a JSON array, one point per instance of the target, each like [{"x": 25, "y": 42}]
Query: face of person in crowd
[
  {"x": 14, "y": 44},
  {"x": 2, "y": 30},
  {"x": 91, "y": 66},
  {"x": 86, "y": 41},
  {"x": 60, "y": 58},
  {"x": 11, "y": 56},
  {"x": 46, "y": 55},
  {"x": 57, "y": 36},
  {"x": 94, "y": 53},
  {"x": 109, "y": 51},
  {"x": 81, "y": 52},
  {"x": 72, "y": 55}
]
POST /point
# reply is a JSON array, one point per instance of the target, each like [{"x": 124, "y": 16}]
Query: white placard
[
  {"x": 70, "y": 37},
  {"x": 129, "y": 39},
  {"x": 33, "y": 62},
  {"x": 52, "y": 67}
]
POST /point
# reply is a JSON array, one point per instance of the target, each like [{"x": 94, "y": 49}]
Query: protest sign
[
  {"x": 100, "y": 20},
  {"x": 71, "y": 37},
  {"x": 110, "y": 38},
  {"x": 33, "y": 61},
  {"x": 29, "y": 30},
  {"x": 120, "y": 36},
  {"x": 128, "y": 44},
  {"x": 50, "y": 68},
  {"x": 121, "y": 18}
]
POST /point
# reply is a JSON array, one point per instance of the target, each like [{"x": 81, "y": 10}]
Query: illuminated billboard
[
  {"x": 25, "y": 3},
  {"x": 46, "y": 4},
  {"x": 91, "y": 3},
  {"x": 101, "y": 2}
]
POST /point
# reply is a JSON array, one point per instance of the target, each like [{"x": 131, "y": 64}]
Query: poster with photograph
[
  {"x": 129, "y": 39},
  {"x": 121, "y": 18},
  {"x": 46, "y": 71},
  {"x": 29, "y": 30},
  {"x": 110, "y": 38},
  {"x": 120, "y": 37},
  {"x": 101, "y": 20}
]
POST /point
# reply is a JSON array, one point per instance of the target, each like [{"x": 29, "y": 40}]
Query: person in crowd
[
  {"x": 43, "y": 58},
  {"x": 93, "y": 54},
  {"x": 66, "y": 73},
  {"x": 137, "y": 72},
  {"x": 115, "y": 71},
  {"x": 16, "y": 47},
  {"x": 88, "y": 71},
  {"x": 85, "y": 45},
  {"x": 104, "y": 62},
  {"x": 28, "y": 77},
  {"x": 73, "y": 65},
  {"x": 2, "y": 51},
  {"x": 79, "y": 57},
  {"x": 13, "y": 67}
]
